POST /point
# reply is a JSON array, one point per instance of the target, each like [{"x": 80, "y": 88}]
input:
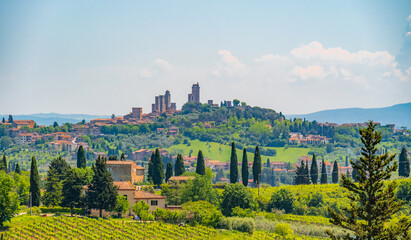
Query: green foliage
[
  {"x": 239, "y": 212},
  {"x": 283, "y": 229},
  {"x": 236, "y": 195},
  {"x": 335, "y": 172},
  {"x": 3, "y": 164},
  {"x": 314, "y": 170},
  {"x": 150, "y": 168},
  {"x": 22, "y": 187},
  {"x": 34, "y": 183},
  {"x": 72, "y": 189},
  {"x": 324, "y": 177},
  {"x": 172, "y": 192},
  {"x": 301, "y": 174},
  {"x": 246, "y": 225},
  {"x": 257, "y": 166},
  {"x": 244, "y": 168},
  {"x": 404, "y": 164},
  {"x": 233, "y": 165},
  {"x": 18, "y": 170},
  {"x": 157, "y": 169},
  {"x": 282, "y": 200},
  {"x": 179, "y": 168},
  {"x": 5, "y": 142},
  {"x": 101, "y": 193},
  {"x": 142, "y": 210},
  {"x": 149, "y": 189},
  {"x": 203, "y": 213},
  {"x": 200, "y": 168},
  {"x": 53, "y": 194},
  {"x": 199, "y": 189},
  {"x": 122, "y": 205},
  {"x": 169, "y": 171},
  {"x": 404, "y": 191},
  {"x": 166, "y": 215},
  {"x": 81, "y": 158},
  {"x": 371, "y": 203},
  {"x": 9, "y": 202}
]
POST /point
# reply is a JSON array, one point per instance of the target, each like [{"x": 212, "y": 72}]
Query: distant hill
[
  {"x": 399, "y": 114},
  {"x": 49, "y": 118}
]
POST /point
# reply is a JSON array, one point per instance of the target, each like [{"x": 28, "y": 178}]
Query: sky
[{"x": 104, "y": 57}]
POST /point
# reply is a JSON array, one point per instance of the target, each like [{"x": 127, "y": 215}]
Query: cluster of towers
[
  {"x": 163, "y": 103},
  {"x": 194, "y": 96}
]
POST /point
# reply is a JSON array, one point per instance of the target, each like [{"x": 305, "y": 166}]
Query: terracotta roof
[
  {"x": 123, "y": 163},
  {"x": 139, "y": 194},
  {"x": 124, "y": 185},
  {"x": 142, "y": 150}
]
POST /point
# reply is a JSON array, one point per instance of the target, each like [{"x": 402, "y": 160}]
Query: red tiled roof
[
  {"x": 146, "y": 195},
  {"x": 124, "y": 185},
  {"x": 123, "y": 163}
]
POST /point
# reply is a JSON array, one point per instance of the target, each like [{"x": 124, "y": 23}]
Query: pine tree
[
  {"x": 324, "y": 177},
  {"x": 179, "y": 166},
  {"x": 301, "y": 175},
  {"x": 17, "y": 170},
  {"x": 3, "y": 164},
  {"x": 404, "y": 164},
  {"x": 158, "y": 169},
  {"x": 200, "y": 169},
  {"x": 81, "y": 158},
  {"x": 233, "y": 165},
  {"x": 268, "y": 164},
  {"x": 72, "y": 190},
  {"x": 55, "y": 124},
  {"x": 150, "y": 168},
  {"x": 169, "y": 171},
  {"x": 335, "y": 172},
  {"x": 373, "y": 200},
  {"x": 61, "y": 167},
  {"x": 53, "y": 194},
  {"x": 244, "y": 168},
  {"x": 34, "y": 183},
  {"x": 123, "y": 157},
  {"x": 307, "y": 178},
  {"x": 354, "y": 173},
  {"x": 257, "y": 166},
  {"x": 314, "y": 170},
  {"x": 101, "y": 193}
]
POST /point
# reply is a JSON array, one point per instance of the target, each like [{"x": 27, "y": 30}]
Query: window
[{"x": 154, "y": 202}]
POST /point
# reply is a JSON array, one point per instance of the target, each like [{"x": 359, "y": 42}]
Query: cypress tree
[
  {"x": 34, "y": 183},
  {"x": 179, "y": 166},
  {"x": 150, "y": 168},
  {"x": 373, "y": 200},
  {"x": 81, "y": 158},
  {"x": 268, "y": 164},
  {"x": 346, "y": 161},
  {"x": 244, "y": 168},
  {"x": 257, "y": 166},
  {"x": 3, "y": 164},
  {"x": 335, "y": 172},
  {"x": 101, "y": 193},
  {"x": 314, "y": 170},
  {"x": 233, "y": 165},
  {"x": 18, "y": 170},
  {"x": 3, "y": 121},
  {"x": 354, "y": 173},
  {"x": 404, "y": 164},
  {"x": 200, "y": 169},
  {"x": 169, "y": 171},
  {"x": 123, "y": 157},
  {"x": 158, "y": 169},
  {"x": 306, "y": 176},
  {"x": 72, "y": 190},
  {"x": 324, "y": 177},
  {"x": 301, "y": 174},
  {"x": 10, "y": 118}
]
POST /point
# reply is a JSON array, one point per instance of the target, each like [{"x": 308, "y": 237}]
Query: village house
[
  {"x": 23, "y": 123},
  {"x": 63, "y": 145},
  {"x": 125, "y": 171},
  {"x": 172, "y": 131},
  {"x": 24, "y": 138}
]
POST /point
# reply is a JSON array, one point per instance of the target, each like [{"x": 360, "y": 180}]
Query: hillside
[
  {"x": 399, "y": 114},
  {"x": 49, "y": 118}
]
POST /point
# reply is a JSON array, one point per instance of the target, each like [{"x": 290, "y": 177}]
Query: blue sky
[{"x": 103, "y": 57}]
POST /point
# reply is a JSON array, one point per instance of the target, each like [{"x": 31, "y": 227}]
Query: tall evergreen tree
[
  {"x": 101, "y": 193},
  {"x": 301, "y": 175},
  {"x": 244, "y": 168},
  {"x": 150, "y": 168},
  {"x": 169, "y": 171},
  {"x": 404, "y": 164},
  {"x": 373, "y": 200},
  {"x": 81, "y": 158},
  {"x": 3, "y": 164},
  {"x": 55, "y": 124},
  {"x": 306, "y": 173},
  {"x": 354, "y": 173},
  {"x": 18, "y": 170},
  {"x": 123, "y": 157},
  {"x": 200, "y": 169},
  {"x": 346, "y": 161},
  {"x": 233, "y": 165},
  {"x": 314, "y": 170},
  {"x": 10, "y": 118},
  {"x": 268, "y": 164},
  {"x": 3, "y": 120},
  {"x": 324, "y": 177},
  {"x": 257, "y": 166},
  {"x": 335, "y": 172},
  {"x": 53, "y": 194},
  {"x": 179, "y": 166},
  {"x": 72, "y": 190},
  {"x": 34, "y": 183},
  {"x": 158, "y": 169},
  {"x": 61, "y": 167}
]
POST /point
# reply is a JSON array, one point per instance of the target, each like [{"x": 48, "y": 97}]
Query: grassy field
[
  {"x": 63, "y": 227},
  {"x": 217, "y": 151}
]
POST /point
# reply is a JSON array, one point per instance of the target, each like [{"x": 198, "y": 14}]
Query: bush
[
  {"x": 78, "y": 211},
  {"x": 203, "y": 212},
  {"x": 283, "y": 229},
  {"x": 240, "y": 224}
]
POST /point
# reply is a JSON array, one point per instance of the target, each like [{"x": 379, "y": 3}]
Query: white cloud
[
  {"x": 408, "y": 34},
  {"x": 409, "y": 18},
  {"x": 229, "y": 66},
  {"x": 314, "y": 71},
  {"x": 163, "y": 64}
]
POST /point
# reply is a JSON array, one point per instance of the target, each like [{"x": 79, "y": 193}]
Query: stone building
[
  {"x": 163, "y": 104},
  {"x": 194, "y": 96},
  {"x": 125, "y": 171}
]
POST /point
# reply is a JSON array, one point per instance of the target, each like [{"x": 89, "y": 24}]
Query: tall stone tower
[
  {"x": 194, "y": 96},
  {"x": 167, "y": 100}
]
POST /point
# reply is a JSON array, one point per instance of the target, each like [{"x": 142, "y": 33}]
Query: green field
[{"x": 217, "y": 151}]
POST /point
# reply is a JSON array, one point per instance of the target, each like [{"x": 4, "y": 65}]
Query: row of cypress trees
[
  {"x": 244, "y": 166},
  {"x": 156, "y": 167}
]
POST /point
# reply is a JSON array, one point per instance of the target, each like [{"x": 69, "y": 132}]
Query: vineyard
[{"x": 62, "y": 227}]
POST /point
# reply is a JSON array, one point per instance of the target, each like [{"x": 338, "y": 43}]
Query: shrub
[
  {"x": 59, "y": 210},
  {"x": 240, "y": 224},
  {"x": 203, "y": 212},
  {"x": 283, "y": 229},
  {"x": 283, "y": 200}
]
